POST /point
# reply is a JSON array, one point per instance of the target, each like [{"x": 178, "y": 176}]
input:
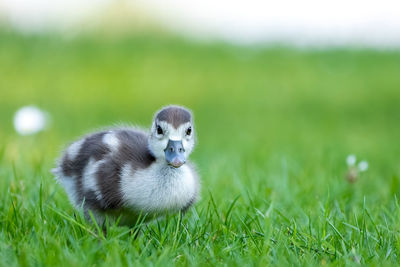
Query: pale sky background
[{"x": 302, "y": 22}]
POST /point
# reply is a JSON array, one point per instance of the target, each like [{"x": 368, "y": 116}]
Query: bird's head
[{"x": 172, "y": 135}]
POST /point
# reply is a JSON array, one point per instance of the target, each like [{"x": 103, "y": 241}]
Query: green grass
[{"x": 274, "y": 127}]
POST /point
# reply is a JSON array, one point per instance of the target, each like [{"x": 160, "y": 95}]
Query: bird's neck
[{"x": 163, "y": 167}]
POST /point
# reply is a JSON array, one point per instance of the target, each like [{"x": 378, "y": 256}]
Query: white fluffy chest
[{"x": 158, "y": 188}]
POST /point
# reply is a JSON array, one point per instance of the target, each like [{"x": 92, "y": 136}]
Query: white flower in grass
[
  {"x": 351, "y": 160},
  {"x": 363, "y": 166},
  {"x": 29, "y": 120},
  {"x": 354, "y": 170}
]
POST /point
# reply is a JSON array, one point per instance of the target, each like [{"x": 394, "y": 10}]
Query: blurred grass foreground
[{"x": 274, "y": 124}]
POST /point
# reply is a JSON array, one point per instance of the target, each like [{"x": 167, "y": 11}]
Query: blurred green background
[
  {"x": 252, "y": 105},
  {"x": 273, "y": 122}
]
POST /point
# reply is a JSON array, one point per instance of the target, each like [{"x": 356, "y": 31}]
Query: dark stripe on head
[{"x": 174, "y": 115}]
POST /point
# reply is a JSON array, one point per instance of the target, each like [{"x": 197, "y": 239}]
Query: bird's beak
[{"x": 175, "y": 153}]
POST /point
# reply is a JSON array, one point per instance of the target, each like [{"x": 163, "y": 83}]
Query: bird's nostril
[
  {"x": 181, "y": 150},
  {"x": 171, "y": 149}
]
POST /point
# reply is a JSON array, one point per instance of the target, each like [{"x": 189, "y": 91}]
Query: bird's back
[{"x": 90, "y": 168}]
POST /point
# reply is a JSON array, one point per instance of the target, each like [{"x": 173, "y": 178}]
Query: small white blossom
[
  {"x": 351, "y": 160},
  {"x": 363, "y": 166},
  {"x": 29, "y": 120}
]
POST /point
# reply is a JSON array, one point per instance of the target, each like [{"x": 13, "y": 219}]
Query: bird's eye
[
  {"x": 159, "y": 130},
  {"x": 189, "y": 131}
]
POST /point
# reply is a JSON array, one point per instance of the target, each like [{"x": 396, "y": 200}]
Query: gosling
[{"x": 128, "y": 173}]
